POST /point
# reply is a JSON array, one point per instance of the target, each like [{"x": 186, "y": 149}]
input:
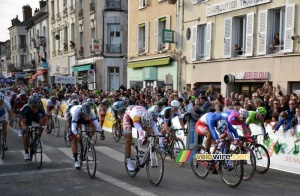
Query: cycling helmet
[
  {"x": 53, "y": 98},
  {"x": 2, "y": 97},
  {"x": 222, "y": 126},
  {"x": 74, "y": 96},
  {"x": 160, "y": 104},
  {"x": 35, "y": 94},
  {"x": 146, "y": 119},
  {"x": 86, "y": 109},
  {"x": 14, "y": 96},
  {"x": 124, "y": 99},
  {"x": 23, "y": 96},
  {"x": 34, "y": 101},
  {"x": 244, "y": 113},
  {"x": 90, "y": 101},
  {"x": 261, "y": 111},
  {"x": 175, "y": 104},
  {"x": 75, "y": 102}
]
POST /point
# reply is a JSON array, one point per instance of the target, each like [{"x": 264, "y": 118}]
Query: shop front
[
  {"x": 85, "y": 74},
  {"x": 149, "y": 73}
]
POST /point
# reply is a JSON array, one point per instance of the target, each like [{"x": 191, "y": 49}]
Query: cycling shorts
[
  {"x": 201, "y": 127},
  {"x": 127, "y": 124}
]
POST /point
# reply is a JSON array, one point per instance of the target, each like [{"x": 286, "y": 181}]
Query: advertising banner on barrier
[{"x": 108, "y": 121}]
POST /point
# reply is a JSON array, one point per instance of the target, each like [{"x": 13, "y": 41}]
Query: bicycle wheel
[
  {"x": 116, "y": 132},
  {"x": 67, "y": 137},
  {"x": 94, "y": 137},
  {"x": 80, "y": 153},
  {"x": 199, "y": 167},
  {"x": 91, "y": 160},
  {"x": 135, "y": 161},
  {"x": 262, "y": 158},
  {"x": 38, "y": 152},
  {"x": 56, "y": 127},
  {"x": 234, "y": 176},
  {"x": 155, "y": 167},
  {"x": 249, "y": 165},
  {"x": 1, "y": 144},
  {"x": 176, "y": 146}
]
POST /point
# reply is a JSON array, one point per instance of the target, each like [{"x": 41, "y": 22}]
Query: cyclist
[
  {"x": 90, "y": 101},
  {"x": 73, "y": 96},
  {"x": 119, "y": 107},
  {"x": 21, "y": 100},
  {"x": 239, "y": 118},
  {"x": 154, "y": 111},
  {"x": 31, "y": 112},
  {"x": 142, "y": 120},
  {"x": 5, "y": 112},
  {"x": 80, "y": 114},
  {"x": 102, "y": 111},
  {"x": 167, "y": 114},
  {"x": 258, "y": 117}
]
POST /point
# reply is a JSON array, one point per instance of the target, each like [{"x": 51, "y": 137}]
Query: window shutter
[
  {"x": 137, "y": 45},
  {"x": 168, "y": 26},
  {"x": 194, "y": 43},
  {"x": 156, "y": 36},
  {"x": 208, "y": 40},
  {"x": 289, "y": 27},
  {"x": 249, "y": 34},
  {"x": 262, "y": 32},
  {"x": 227, "y": 38},
  {"x": 195, "y": 1},
  {"x": 141, "y": 4},
  {"x": 146, "y": 37}
]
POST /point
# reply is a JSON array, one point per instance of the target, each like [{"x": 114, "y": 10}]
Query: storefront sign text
[
  {"x": 251, "y": 75},
  {"x": 228, "y": 6},
  {"x": 65, "y": 79}
]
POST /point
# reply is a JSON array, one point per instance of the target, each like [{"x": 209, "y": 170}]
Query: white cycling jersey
[
  {"x": 50, "y": 104},
  {"x": 75, "y": 116},
  {"x": 4, "y": 108}
]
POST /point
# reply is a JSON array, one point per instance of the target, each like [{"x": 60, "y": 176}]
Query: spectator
[
  {"x": 227, "y": 104},
  {"x": 237, "y": 106},
  {"x": 211, "y": 92},
  {"x": 274, "y": 119},
  {"x": 267, "y": 89},
  {"x": 284, "y": 122},
  {"x": 237, "y": 50},
  {"x": 295, "y": 121},
  {"x": 275, "y": 45},
  {"x": 291, "y": 111}
]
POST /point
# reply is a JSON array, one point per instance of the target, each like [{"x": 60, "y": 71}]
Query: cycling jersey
[
  {"x": 27, "y": 113},
  {"x": 233, "y": 117},
  {"x": 52, "y": 105},
  {"x": 118, "y": 108},
  {"x": 19, "y": 103},
  {"x": 132, "y": 116},
  {"x": 4, "y": 108},
  {"x": 252, "y": 119},
  {"x": 153, "y": 111},
  {"x": 167, "y": 114},
  {"x": 75, "y": 118},
  {"x": 210, "y": 120}
]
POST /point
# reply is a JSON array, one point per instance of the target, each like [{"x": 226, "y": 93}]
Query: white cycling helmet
[
  {"x": 146, "y": 120},
  {"x": 74, "y": 96},
  {"x": 175, "y": 104},
  {"x": 222, "y": 126},
  {"x": 244, "y": 113}
]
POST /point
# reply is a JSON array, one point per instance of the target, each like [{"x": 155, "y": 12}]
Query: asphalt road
[{"x": 58, "y": 176}]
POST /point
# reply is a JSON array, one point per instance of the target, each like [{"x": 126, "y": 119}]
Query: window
[
  {"x": 142, "y": 4},
  {"x": 198, "y": 1},
  {"x": 201, "y": 38},
  {"x": 278, "y": 23},
  {"x": 65, "y": 45},
  {"x": 238, "y": 36},
  {"x": 114, "y": 38},
  {"x": 159, "y": 25},
  {"x": 142, "y": 38}
]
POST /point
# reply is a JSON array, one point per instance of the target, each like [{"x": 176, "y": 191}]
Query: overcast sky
[{"x": 9, "y": 10}]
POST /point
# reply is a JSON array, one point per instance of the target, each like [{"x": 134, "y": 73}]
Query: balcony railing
[
  {"x": 72, "y": 8},
  {"x": 29, "y": 65},
  {"x": 12, "y": 67},
  {"x": 116, "y": 4},
  {"x": 113, "y": 48},
  {"x": 80, "y": 14},
  {"x": 58, "y": 16},
  {"x": 92, "y": 7}
]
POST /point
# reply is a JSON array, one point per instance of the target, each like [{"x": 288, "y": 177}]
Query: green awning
[
  {"x": 27, "y": 75},
  {"x": 149, "y": 63},
  {"x": 81, "y": 68}
]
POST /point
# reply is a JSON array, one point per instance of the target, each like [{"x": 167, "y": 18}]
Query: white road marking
[
  {"x": 68, "y": 152},
  {"x": 111, "y": 153}
]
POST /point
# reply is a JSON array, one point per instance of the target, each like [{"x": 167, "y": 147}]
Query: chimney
[
  {"x": 42, "y": 4},
  {"x": 27, "y": 12}
]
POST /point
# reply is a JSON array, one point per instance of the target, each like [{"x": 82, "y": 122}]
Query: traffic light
[{"x": 229, "y": 79}]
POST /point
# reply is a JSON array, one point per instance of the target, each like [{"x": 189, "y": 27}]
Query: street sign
[{"x": 168, "y": 36}]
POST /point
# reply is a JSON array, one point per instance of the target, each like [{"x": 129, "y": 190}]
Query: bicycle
[
  {"x": 260, "y": 152},
  {"x": 54, "y": 124},
  {"x": 87, "y": 152},
  {"x": 2, "y": 141},
  {"x": 173, "y": 146},
  {"x": 152, "y": 158},
  {"x": 117, "y": 130},
  {"x": 35, "y": 147},
  {"x": 232, "y": 167}
]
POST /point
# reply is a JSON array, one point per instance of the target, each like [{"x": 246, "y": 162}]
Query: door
[{"x": 114, "y": 78}]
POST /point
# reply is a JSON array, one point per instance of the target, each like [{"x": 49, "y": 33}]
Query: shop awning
[
  {"x": 37, "y": 74},
  {"x": 149, "y": 63},
  {"x": 27, "y": 75},
  {"x": 81, "y": 68}
]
